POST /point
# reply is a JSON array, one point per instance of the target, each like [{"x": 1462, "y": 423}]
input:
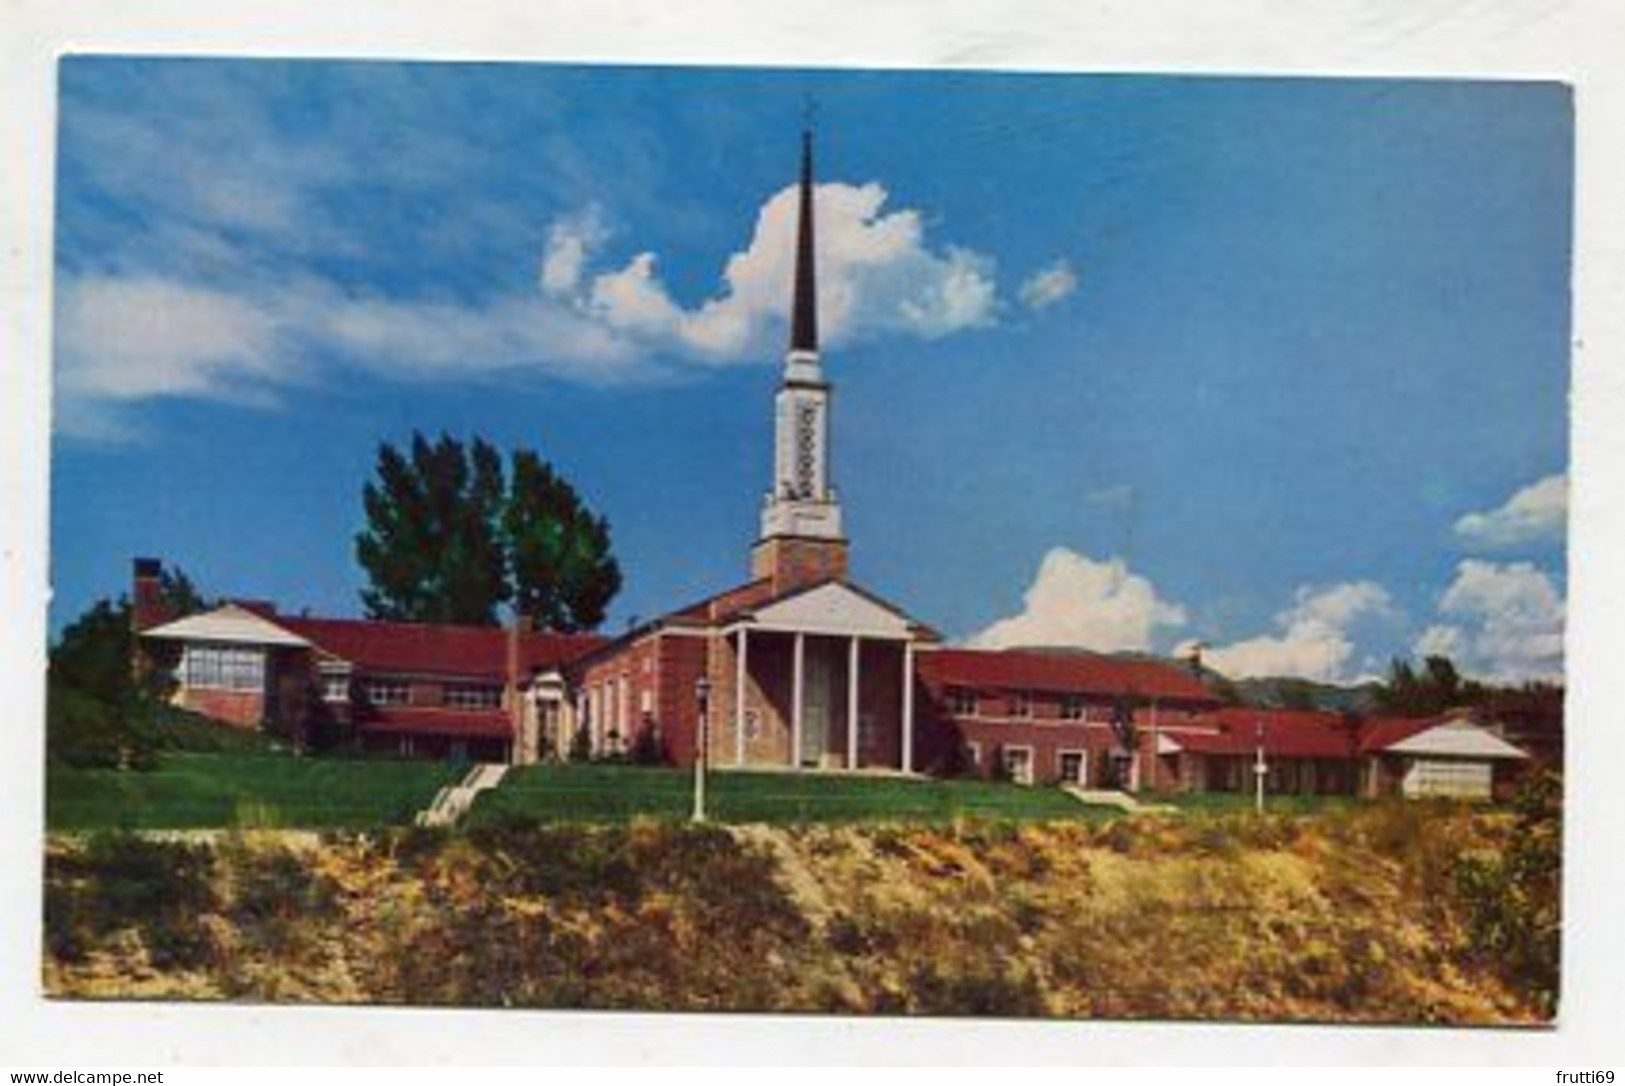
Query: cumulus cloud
[
  {"x": 1078, "y": 602},
  {"x": 133, "y": 335},
  {"x": 1317, "y": 638},
  {"x": 1504, "y": 622},
  {"x": 877, "y": 275},
  {"x": 1537, "y": 513},
  {"x": 1048, "y": 285},
  {"x": 569, "y": 241}
]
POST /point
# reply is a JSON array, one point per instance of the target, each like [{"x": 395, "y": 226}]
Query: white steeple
[{"x": 802, "y": 503}]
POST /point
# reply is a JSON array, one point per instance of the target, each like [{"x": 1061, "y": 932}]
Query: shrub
[
  {"x": 581, "y": 745},
  {"x": 1513, "y": 899},
  {"x": 86, "y": 732},
  {"x": 648, "y": 748},
  {"x": 123, "y": 880},
  {"x": 275, "y": 891}
]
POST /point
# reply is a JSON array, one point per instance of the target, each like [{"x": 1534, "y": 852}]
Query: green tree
[
  {"x": 450, "y": 538},
  {"x": 431, "y": 548},
  {"x": 564, "y": 574},
  {"x": 93, "y": 701},
  {"x": 1432, "y": 689}
]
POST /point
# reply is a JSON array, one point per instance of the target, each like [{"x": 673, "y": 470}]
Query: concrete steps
[{"x": 453, "y": 802}]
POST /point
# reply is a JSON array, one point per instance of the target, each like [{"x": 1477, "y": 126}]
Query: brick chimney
[
  {"x": 147, "y": 606},
  {"x": 513, "y": 695}
]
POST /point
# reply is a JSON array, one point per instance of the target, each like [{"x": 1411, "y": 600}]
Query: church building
[{"x": 797, "y": 668}]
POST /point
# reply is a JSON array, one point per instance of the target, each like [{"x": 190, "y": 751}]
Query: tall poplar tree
[
  {"x": 450, "y": 538},
  {"x": 558, "y": 550}
]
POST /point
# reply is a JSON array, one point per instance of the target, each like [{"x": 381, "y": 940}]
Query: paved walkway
[{"x": 452, "y": 803}]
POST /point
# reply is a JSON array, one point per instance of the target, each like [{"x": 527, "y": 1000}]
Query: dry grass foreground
[{"x": 1384, "y": 914}]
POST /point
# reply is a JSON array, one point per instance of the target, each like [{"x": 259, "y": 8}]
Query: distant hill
[{"x": 1269, "y": 693}]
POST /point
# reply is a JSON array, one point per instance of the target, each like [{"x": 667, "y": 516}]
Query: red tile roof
[
  {"x": 1291, "y": 733},
  {"x": 1085, "y": 673},
  {"x": 477, "y": 723},
  {"x": 1380, "y": 734},
  {"x": 414, "y": 648}
]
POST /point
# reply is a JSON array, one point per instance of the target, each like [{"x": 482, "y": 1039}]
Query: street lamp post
[
  {"x": 1259, "y": 769},
  {"x": 702, "y": 697}
]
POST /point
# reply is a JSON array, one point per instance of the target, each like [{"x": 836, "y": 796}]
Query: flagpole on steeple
[{"x": 804, "y": 305}]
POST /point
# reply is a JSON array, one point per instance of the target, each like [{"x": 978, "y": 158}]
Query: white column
[
  {"x": 908, "y": 707},
  {"x": 797, "y": 681},
  {"x": 741, "y": 673},
  {"x": 852, "y": 703}
]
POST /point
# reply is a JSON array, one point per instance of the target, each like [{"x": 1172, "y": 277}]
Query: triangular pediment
[
  {"x": 836, "y": 608},
  {"x": 228, "y": 624}
]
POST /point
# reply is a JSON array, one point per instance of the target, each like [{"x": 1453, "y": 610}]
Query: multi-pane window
[
  {"x": 1072, "y": 707},
  {"x": 473, "y": 696},
  {"x": 1021, "y": 703},
  {"x": 387, "y": 692},
  {"x": 336, "y": 686},
  {"x": 961, "y": 701},
  {"x": 223, "y": 667}
]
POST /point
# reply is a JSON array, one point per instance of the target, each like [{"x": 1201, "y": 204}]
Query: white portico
[{"x": 820, "y": 678}]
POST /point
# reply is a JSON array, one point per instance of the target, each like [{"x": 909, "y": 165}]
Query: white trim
[
  {"x": 741, "y": 685},
  {"x": 908, "y": 707},
  {"x": 813, "y": 630},
  {"x": 854, "y": 656},
  {"x": 798, "y": 680},
  {"x": 1007, "y": 749}
]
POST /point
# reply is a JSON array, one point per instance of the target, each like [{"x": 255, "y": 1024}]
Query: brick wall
[{"x": 791, "y": 563}]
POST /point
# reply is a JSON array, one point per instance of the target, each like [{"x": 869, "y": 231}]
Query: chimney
[
  {"x": 517, "y": 631},
  {"x": 148, "y": 608}
]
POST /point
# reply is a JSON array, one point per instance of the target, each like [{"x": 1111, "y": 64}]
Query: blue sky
[{"x": 1120, "y": 362}]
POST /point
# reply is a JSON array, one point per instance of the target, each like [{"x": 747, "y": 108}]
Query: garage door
[{"x": 1463, "y": 780}]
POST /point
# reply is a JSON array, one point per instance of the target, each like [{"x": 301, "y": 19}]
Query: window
[
  {"x": 223, "y": 667},
  {"x": 473, "y": 696},
  {"x": 1018, "y": 764},
  {"x": 1021, "y": 703},
  {"x": 387, "y": 692},
  {"x": 961, "y": 702},
  {"x": 646, "y": 702},
  {"x": 1073, "y": 766},
  {"x": 336, "y": 686},
  {"x": 1072, "y": 707},
  {"x": 973, "y": 755}
]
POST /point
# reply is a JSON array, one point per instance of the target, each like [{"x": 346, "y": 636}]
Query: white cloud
[
  {"x": 1505, "y": 622},
  {"x": 1048, "y": 285},
  {"x": 1537, "y": 513},
  {"x": 1317, "y": 639},
  {"x": 569, "y": 242},
  {"x": 124, "y": 339},
  {"x": 1078, "y": 602},
  {"x": 135, "y": 334},
  {"x": 877, "y": 275}
]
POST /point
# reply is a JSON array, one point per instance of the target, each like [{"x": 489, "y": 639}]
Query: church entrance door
[{"x": 815, "y": 708}]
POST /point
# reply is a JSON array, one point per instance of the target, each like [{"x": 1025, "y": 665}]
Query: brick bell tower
[{"x": 801, "y": 541}]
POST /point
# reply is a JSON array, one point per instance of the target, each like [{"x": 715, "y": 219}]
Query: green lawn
[
  {"x": 199, "y": 791},
  {"x": 1227, "y": 802},
  {"x": 602, "y": 793}
]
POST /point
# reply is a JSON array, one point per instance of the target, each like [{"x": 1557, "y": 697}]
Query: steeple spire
[{"x": 804, "y": 311}]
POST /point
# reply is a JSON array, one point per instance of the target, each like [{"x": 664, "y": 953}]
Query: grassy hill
[
  {"x": 243, "y": 790},
  {"x": 1387, "y": 912}
]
